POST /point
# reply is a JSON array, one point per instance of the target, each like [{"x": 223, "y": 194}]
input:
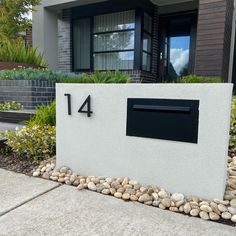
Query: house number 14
[{"x": 87, "y": 103}]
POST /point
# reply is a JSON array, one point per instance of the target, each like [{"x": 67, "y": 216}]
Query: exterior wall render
[{"x": 108, "y": 124}]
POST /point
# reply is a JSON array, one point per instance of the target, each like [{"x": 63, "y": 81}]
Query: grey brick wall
[
  {"x": 30, "y": 93},
  {"x": 65, "y": 42}
]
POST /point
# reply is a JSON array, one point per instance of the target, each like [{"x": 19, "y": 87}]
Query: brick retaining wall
[{"x": 30, "y": 93}]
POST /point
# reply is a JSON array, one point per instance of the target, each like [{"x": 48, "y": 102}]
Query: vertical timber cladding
[
  {"x": 91, "y": 134},
  {"x": 214, "y": 37}
]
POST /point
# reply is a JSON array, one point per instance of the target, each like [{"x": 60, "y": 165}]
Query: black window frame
[
  {"x": 138, "y": 40},
  {"x": 151, "y": 35},
  {"x": 111, "y": 32}
]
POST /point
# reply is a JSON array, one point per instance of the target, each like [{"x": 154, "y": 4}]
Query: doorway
[{"x": 177, "y": 34}]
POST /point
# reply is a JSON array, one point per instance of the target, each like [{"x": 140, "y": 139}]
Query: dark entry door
[{"x": 177, "y": 34}]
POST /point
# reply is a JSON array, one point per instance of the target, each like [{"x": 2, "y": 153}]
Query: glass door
[{"x": 177, "y": 57}]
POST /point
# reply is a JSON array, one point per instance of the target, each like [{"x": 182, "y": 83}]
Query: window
[
  {"x": 147, "y": 23},
  {"x": 147, "y": 43},
  {"x": 113, "y": 40},
  {"x": 110, "y": 42},
  {"x": 82, "y": 48}
]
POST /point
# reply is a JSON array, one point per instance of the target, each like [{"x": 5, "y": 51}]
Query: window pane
[
  {"x": 114, "y": 61},
  {"x": 82, "y": 44},
  {"x": 146, "y": 62},
  {"x": 114, "y": 41},
  {"x": 147, "y": 23},
  {"x": 147, "y": 43},
  {"x": 114, "y": 21},
  {"x": 179, "y": 56}
]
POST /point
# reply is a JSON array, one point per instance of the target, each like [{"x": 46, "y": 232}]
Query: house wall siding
[
  {"x": 65, "y": 42},
  {"x": 228, "y": 36},
  {"x": 213, "y": 38}
]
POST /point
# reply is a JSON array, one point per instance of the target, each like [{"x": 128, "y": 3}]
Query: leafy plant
[
  {"x": 14, "y": 17},
  {"x": 44, "y": 115},
  {"x": 63, "y": 77},
  {"x": 199, "y": 79},
  {"x": 5, "y": 106},
  {"x": 36, "y": 142},
  {"x": 18, "y": 51},
  {"x": 232, "y": 144}
]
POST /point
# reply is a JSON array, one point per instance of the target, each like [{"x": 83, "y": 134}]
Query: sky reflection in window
[{"x": 179, "y": 54}]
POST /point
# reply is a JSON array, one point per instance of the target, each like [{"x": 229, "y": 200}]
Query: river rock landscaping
[{"x": 223, "y": 211}]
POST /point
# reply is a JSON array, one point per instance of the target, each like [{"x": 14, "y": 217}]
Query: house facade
[{"x": 153, "y": 40}]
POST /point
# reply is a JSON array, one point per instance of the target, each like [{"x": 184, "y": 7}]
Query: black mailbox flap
[{"x": 168, "y": 119}]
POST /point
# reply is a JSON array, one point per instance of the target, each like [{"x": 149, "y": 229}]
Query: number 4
[{"x": 88, "y": 103}]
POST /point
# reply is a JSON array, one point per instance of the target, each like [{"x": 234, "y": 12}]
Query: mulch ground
[{"x": 17, "y": 164}]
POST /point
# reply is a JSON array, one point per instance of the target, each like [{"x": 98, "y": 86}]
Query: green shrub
[
  {"x": 199, "y": 79},
  {"x": 36, "y": 142},
  {"x": 63, "y": 77},
  {"x": 44, "y": 115},
  {"x": 232, "y": 143},
  {"x": 18, "y": 51},
  {"x": 6, "y": 106}
]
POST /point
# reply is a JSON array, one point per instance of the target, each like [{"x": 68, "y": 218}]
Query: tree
[{"x": 14, "y": 17}]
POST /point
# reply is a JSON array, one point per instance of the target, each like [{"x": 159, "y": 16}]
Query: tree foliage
[{"x": 14, "y": 17}]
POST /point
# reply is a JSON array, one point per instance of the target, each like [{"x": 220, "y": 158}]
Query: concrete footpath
[
  {"x": 31, "y": 206},
  {"x": 9, "y": 126}
]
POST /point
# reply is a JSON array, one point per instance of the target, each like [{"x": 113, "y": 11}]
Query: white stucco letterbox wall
[{"x": 98, "y": 145}]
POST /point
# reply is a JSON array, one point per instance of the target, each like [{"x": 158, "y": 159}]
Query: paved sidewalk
[
  {"x": 16, "y": 189},
  {"x": 65, "y": 211},
  {"x": 9, "y": 126}
]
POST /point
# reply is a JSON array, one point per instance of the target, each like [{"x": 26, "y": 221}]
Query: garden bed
[
  {"x": 15, "y": 65},
  {"x": 17, "y": 164}
]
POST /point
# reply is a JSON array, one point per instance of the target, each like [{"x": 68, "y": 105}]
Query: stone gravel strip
[{"x": 131, "y": 190}]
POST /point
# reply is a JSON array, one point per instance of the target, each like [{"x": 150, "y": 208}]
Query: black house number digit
[
  {"x": 82, "y": 108},
  {"x": 69, "y": 103},
  {"x": 88, "y": 103}
]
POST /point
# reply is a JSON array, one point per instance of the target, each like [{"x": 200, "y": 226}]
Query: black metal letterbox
[{"x": 168, "y": 119}]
